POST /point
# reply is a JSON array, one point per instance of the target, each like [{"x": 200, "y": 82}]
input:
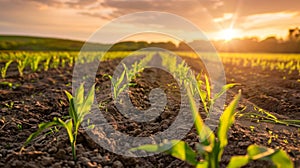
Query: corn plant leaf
[
  {"x": 163, "y": 147},
  {"x": 206, "y": 136},
  {"x": 120, "y": 79},
  {"x": 281, "y": 159},
  {"x": 182, "y": 151},
  {"x": 255, "y": 152},
  {"x": 4, "y": 69},
  {"x": 69, "y": 95},
  {"x": 72, "y": 109},
  {"x": 203, "y": 96},
  {"x": 87, "y": 103},
  {"x": 42, "y": 127},
  {"x": 202, "y": 93},
  {"x": 79, "y": 96},
  {"x": 278, "y": 157},
  {"x": 121, "y": 89},
  {"x": 150, "y": 148},
  {"x": 176, "y": 148},
  {"x": 207, "y": 87},
  {"x": 202, "y": 149},
  {"x": 238, "y": 161},
  {"x": 126, "y": 71},
  {"x": 114, "y": 83},
  {"x": 8, "y": 63},
  {"x": 226, "y": 120},
  {"x": 224, "y": 89},
  {"x": 68, "y": 125},
  {"x": 203, "y": 164}
]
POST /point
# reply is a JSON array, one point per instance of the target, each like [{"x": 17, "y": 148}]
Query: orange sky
[{"x": 218, "y": 19}]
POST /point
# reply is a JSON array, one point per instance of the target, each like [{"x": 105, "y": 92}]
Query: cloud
[
  {"x": 268, "y": 19},
  {"x": 121, "y": 7},
  {"x": 226, "y": 16},
  {"x": 68, "y": 4},
  {"x": 185, "y": 8}
]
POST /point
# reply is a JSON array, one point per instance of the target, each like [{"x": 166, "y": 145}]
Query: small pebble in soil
[
  {"x": 244, "y": 144},
  {"x": 47, "y": 160},
  {"x": 83, "y": 159},
  {"x": 31, "y": 165},
  {"x": 57, "y": 165},
  {"x": 33, "y": 121},
  {"x": 53, "y": 149},
  {"x": 71, "y": 163},
  {"x": 97, "y": 158},
  {"x": 3, "y": 152},
  {"x": 117, "y": 164},
  {"x": 60, "y": 154},
  {"x": 55, "y": 114},
  {"x": 91, "y": 164},
  {"x": 16, "y": 163}
]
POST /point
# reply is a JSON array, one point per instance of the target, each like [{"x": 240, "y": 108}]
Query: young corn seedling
[
  {"x": 182, "y": 72},
  {"x": 34, "y": 63},
  {"x": 4, "y": 69},
  {"x": 22, "y": 64},
  {"x": 210, "y": 148},
  {"x": 71, "y": 60},
  {"x": 205, "y": 94},
  {"x": 127, "y": 75},
  {"x": 55, "y": 61},
  {"x": 63, "y": 62},
  {"x": 46, "y": 63},
  {"x": 10, "y": 85},
  {"x": 169, "y": 61},
  {"x": 137, "y": 67},
  {"x": 116, "y": 84},
  {"x": 80, "y": 106}
]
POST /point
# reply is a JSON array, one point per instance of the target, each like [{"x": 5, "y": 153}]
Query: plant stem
[
  {"x": 74, "y": 149},
  {"x": 213, "y": 161},
  {"x": 74, "y": 144}
]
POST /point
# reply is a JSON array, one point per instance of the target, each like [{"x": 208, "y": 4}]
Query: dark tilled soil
[{"x": 38, "y": 97}]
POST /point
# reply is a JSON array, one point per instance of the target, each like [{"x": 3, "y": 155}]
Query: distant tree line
[{"x": 270, "y": 45}]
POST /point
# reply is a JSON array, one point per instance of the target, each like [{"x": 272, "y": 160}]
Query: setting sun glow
[{"x": 228, "y": 34}]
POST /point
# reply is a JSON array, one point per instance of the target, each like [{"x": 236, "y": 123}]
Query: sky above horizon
[{"x": 218, "y": 19}]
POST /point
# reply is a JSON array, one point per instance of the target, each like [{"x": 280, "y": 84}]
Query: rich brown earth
[{"x": 38, "y": 97}]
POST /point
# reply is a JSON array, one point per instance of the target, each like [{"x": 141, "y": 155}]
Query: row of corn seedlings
[
  {"x": 202, "y": 87},
  {"x": 35, "y": 61},
  {"x": 287, "y": 63},
  {"x": 129, "y": 73}
]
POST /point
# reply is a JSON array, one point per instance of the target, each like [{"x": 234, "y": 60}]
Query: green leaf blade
[
  {"x": 176, "y": 148},
  {"x": 207, "y": 87},
  {"x": 224, "y": 90},
  {"x": 281, "y": 159},
  {"x": 226, "y": 120},
  {"x": 41, "y": 128},
  {"x": 238, "y": 161},
  {"x": 87, "y": 103}
]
